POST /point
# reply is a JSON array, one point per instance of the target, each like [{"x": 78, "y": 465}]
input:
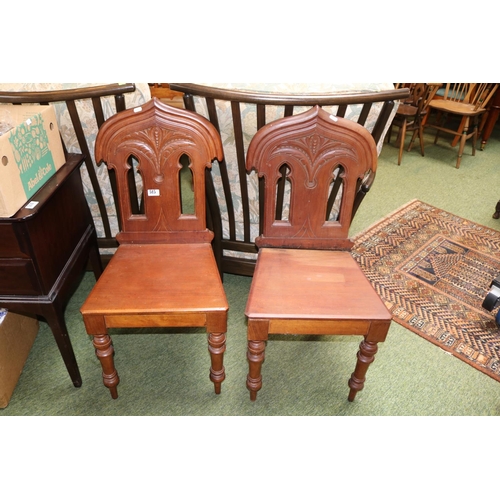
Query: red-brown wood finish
[
  {"x": 44, "y": 252},
  {"x": 241, "y": 124},
  {"x": 164, "y": 272},
  {"x": 490, "y": 119},
  {"x": 305, "y": 280}
]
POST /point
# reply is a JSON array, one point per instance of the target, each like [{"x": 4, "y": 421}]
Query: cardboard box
[
  {"x": 30, "y": 153},
  {"x": 17, "y": 334}
]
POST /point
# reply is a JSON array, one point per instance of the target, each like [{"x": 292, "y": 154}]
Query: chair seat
[
  {"x": 312, "y": 285},
  {"x": 406, "y": 110},
  {"x": 158, "y": 278},
  {"x": 306, "y": 282},
  {"x": 461, "y": 108}
]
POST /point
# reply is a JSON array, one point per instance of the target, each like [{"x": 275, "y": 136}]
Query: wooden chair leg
[
  {"x": 421, "y": 137},
  {"x": 255, "y": 355},
  {"x": 439, "y": 121},
  {"x": 420, "y": 132},
  {"x": 463, "y": 124},
  {"x": 216, "y": 348},
  {"x": 402, "y": 133},
  {"x": 413, "y": 137},
  {"x": 105, "y": 352},
  {"x": 366, "y": 355},
  {"x": 462, "y": 142},
  {"x": 474, "y": 137}
]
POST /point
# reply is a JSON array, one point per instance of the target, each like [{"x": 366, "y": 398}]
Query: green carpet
[{"x": 166, "y": 373}]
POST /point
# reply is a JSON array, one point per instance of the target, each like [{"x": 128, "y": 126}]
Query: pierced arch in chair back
[
  {"x": 326, "y": 156},
  {"x": 234, "y": 201},
  {"x": 151, "y": 142}
]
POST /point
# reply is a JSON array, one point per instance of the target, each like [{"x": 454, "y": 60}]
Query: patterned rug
[{"x": 433, "y": 270}]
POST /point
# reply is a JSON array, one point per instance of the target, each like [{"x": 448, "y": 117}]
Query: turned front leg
[
  {"x": 96, "y": 327},
  {"x": 216, "y": 348},
  {"x": 366, "y": 355},
  {"x": 255, "y": 355},
  {"x": 105, "y": 353}
]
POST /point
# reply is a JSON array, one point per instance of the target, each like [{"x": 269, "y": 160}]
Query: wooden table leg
[
  {"x": 54, "y": 315},
  {"x": 490, "y": 118},
  {"x": 493, "y": 115}
]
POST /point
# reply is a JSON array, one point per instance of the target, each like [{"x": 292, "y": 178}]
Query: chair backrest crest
[
  {"x": 235, "y": 198},
  {"x": 323, "y": 154},
  {"x": 151, "y": 142}
]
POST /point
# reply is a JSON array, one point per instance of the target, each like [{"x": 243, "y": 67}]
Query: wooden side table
[
  {"x": 491, "y": 118},
  {"x": 44, "y": 252}
]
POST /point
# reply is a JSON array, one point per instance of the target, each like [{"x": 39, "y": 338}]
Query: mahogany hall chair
[
  {"x": 305, "y": 279},
  {"x": 163, "y": 273},
  {"x": 234, "y": 198}
]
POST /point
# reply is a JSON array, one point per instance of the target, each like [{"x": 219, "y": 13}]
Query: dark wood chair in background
[
  {"x": 466, "y": 103},
  {"x": 163, "y": 273},
  {"x": 306, "y": 281},
  {"x": 410, "y": 115},
  {"x": 231, "y": 194}
]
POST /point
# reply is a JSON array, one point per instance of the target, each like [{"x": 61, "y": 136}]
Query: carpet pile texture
[{"x": 433, "y": 270}]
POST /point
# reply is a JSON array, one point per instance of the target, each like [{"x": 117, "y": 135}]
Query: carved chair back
[
  {"x": 234, "y": 198},
  {"x": 324, "y": 158},
  {"x": 147, "y": 148},
  {"x": 416, "y": 92}
]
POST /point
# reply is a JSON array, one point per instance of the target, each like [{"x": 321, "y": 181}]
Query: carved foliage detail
[
  {"x": 156, "y": 145},
  {"x": 312, "y": 153}
]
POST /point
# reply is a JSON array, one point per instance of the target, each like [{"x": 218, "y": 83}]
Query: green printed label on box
[{"x": 30, "y": 145}]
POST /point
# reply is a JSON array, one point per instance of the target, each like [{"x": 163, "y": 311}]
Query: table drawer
[
  {"x": 9, "y": 246},
  {"x": 18, "y": 277}
]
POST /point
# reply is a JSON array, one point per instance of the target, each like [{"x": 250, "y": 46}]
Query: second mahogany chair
[
  {"x": 306, "y": 281},
  {"x": 163, "y": 273}
]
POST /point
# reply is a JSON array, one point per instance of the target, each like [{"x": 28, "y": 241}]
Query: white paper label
[
  {"x": 31, "y": 204},
  {"x": 153, "y": 192}
]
